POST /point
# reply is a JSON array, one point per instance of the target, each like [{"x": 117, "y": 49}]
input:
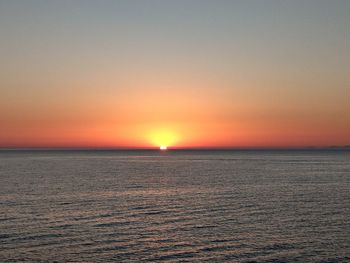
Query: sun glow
[
  {"x": 163, "y": 148},
  {"x": 163, "y": 138}
]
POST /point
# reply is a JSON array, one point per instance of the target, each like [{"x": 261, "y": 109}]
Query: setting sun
[
  {"x": 162, "y": 138},
  {"x": 163, "y": 148}
]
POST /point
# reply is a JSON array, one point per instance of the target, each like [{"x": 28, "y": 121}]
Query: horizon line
[{"x": 229, "y": 148}]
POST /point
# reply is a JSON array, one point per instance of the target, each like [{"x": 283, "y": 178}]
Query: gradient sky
[{"x": 180, "y": 73}]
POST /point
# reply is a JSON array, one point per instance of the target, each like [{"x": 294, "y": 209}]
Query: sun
[{"x": 163, "y": 138}]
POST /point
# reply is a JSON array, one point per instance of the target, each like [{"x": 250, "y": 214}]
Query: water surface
[{"x": 175, "y": 206}]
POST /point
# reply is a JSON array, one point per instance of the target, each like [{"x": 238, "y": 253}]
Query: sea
[{"x": 175, "y": 206}]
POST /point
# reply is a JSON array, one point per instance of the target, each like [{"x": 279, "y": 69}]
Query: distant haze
[{"x": 174, "y": 73}]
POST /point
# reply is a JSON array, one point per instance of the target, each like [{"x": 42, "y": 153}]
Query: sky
[{"x": 177, "y": 73}]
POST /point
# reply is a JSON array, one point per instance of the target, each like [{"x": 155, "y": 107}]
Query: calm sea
[{"x": 175, "y": 206}]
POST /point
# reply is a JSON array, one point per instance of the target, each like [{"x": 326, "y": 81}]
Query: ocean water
[{"x": 175, "y": 206}]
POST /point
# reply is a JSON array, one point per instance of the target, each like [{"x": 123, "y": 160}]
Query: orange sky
[
  {"x": 178, "y": 116},
  {"x": 221, "y": 74}
]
